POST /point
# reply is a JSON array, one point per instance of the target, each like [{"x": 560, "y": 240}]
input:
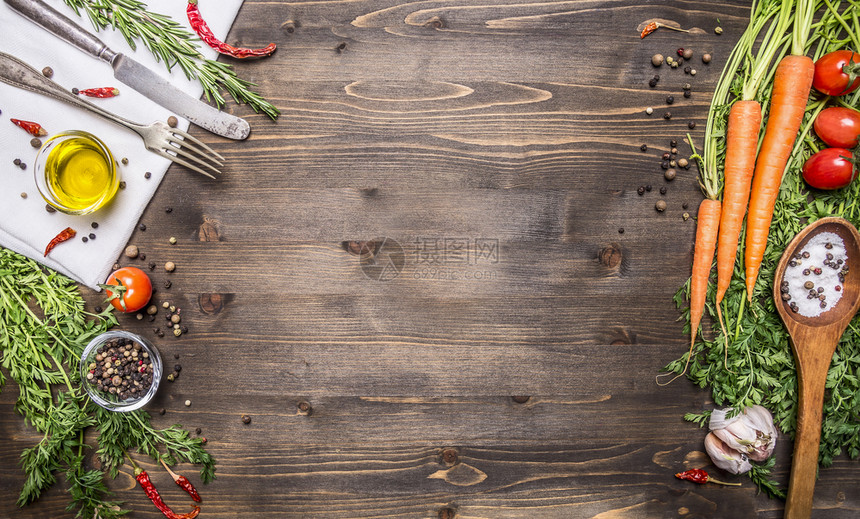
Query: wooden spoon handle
[{"x": 804, "y": 462}]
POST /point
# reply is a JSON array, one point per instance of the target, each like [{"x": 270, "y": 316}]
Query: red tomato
[
  {"x": 836, "y": 73},
  {"x": 128, "y": 289},
  {"x": 830, "y": 168},
  {"x": 838, "y": 126}
]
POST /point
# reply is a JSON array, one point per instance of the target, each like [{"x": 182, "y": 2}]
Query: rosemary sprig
[
  {"x": 173, "y": 45},
  {"x": 43, "y": 330},
  {"x": 750, "y": 360}
]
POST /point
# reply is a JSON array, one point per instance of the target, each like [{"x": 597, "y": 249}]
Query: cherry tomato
[
  {"x": 830, "y": 168},
  {"x": 836, "y": 73},
  {"x": 838, "y": 126},
  {"x": 128, "y": 289}
]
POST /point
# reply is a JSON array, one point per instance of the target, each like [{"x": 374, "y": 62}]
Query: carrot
[
  {"x": 791, "y": 84},
  {"x": 741, "y": 142},
  {"x": 707, "y": 226}
]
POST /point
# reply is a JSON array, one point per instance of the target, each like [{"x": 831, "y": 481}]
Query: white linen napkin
[{"x": 25, "y": 226}]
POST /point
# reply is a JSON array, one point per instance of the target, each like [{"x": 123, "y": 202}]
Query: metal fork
[{"x": 171, "y": 143}]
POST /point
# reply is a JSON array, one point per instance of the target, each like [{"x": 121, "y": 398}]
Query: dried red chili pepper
[
  {"x": 183, "y": 483},
  {"x": 34, "y": 129},
  {"x": 143, "y": 478},
  {"x": 651, "y": 27},
  {"x": 701, "y": 477},
  {"x": 100, "y": 92},
  {"x": 202, "y": 29},
  {"x": 66, "y": 234}
]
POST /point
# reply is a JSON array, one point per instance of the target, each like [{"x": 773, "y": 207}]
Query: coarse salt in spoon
[{"x": 814, "y": 340}]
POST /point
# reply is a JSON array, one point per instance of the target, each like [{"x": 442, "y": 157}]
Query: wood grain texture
[{"x": 507, "y": 370}]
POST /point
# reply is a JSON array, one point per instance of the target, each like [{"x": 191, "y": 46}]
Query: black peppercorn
[
  {"x": 644, "y": 147},
  {"x": 670, "y": 100},
  {"x": 246, "y": 419},
  {"x": 663, "y": 190},
  {"x": 168, "y": 210},
  {"x": 664, "y": 164},
  {"x": 641, "y": 190},
  {"x": 652, "y": 83},
  {"x": 691, "y": 125},
  {"x": 687, "y": 94},
  {"x": 85, "y": 239},
  {"x": 167, "y": 284},
  {"x": 648, "y": 188},
  {"x": 92, "y": 236},
  {"x": 685, "y": 205},
  {"x": 98, "y": 309},
  {"x": 673, "y": 143},
  {"x": 142, "y": 227},
  {"x": 667, "y": 115},
  {"x": 147, "y": 175}
]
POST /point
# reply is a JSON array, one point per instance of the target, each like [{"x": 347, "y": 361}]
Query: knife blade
[{"x": 133, "y": 74}]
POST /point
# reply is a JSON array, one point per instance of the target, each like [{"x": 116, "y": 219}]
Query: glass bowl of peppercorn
[{"x": 120, "y": 371}]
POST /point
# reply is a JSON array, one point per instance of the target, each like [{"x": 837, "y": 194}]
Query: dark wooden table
[{"x": 498, "y": 359}]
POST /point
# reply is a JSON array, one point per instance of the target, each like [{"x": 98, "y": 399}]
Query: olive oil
[{"x": 80, "y": 174}]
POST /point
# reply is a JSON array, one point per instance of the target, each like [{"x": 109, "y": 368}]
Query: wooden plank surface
[{"x": 508, "y": 369}]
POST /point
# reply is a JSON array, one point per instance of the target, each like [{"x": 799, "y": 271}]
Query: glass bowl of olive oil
[{"x": 75, "y": 172}]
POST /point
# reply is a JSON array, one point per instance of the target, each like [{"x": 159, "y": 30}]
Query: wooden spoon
[{"x": 814, "y": 341}]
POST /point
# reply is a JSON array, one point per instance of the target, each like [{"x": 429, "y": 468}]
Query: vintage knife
[{"x": 133, "y": 73}]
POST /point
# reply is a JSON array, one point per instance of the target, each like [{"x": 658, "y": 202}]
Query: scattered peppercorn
[
  {"x": 17, "y": 162},
  {"x": 24, "y": 195},
  {"x": 94, "y": 225},
  {"x": 691, "y": 125},
  {"x": 693, "y": 72},
  {"x": 644, "y": 147},
  {"x": 75, "y": 91},
  {"x": 663, "y": 190},
  {"x": 142, "y": 227},
  {"x": 132, "y": 251},
  {"x": 687, "y": 70},
  {"x": 667, "y": 115},
  {"x": 147, "y": 175},
  {"x": 48, "y": 72},
  {"x": 246, "y": 419},
  {"x": 177, "y": 332},
  {"x": 92, "y": 236},
  {"x": 142, "y": 256},
  {"x": 687, "y": 94},
  {"x": 652, "y": 83},
  {"x": 657, "y": 60},
  {"x": 664, "y": 164},
  {"x": 172, "y": 240},
  {"x": 172, "y": 121},
  {"x": 718, "y": 30},
  {"x": 649, "y": 110},
  {"x": 188, "y": 404},
  {"x": 660, "y": 205},
  {"x": 706, "y": 58},
  {"x": 685, "y": 205},
  {"x": 621, "y": 230},
  {"x": 670, "y": 174},
  {"x": 23, "y": 165},
  {"x": 168, "y": 210},
  {"x": 683, "y": 163},
  {"x": 122, "y": 184},
  {"x": 641, "y": 190},
  {"x": 167, "y": 284},
  {"x": 670, "y": 100},
  {"x": 151, "y": 265},
  {"x": 648, "y": 188},
  {"x": 170, "y": 266},
  {"x": 685, "y": 216},
  {"x": 50, "y": 208},
  {"x": 688, "y": 53},
  {"x": 84, "y": 239},
  {"x": 36, "y": 142},
  {"x": 162, "y": 411}
]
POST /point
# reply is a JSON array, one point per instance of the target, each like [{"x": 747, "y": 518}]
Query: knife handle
[{"x": 59, "y": 24}]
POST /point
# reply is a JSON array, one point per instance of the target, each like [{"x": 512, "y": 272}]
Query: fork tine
[
  {"x": 188, "y": 137},
  {"x": 191, "y": 157},
  {"x": 179, "y": 143},
  {"x": 181, "y": 161}
]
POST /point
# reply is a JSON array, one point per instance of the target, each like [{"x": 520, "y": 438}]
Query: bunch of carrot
[{"x": 750, "y": 176}]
